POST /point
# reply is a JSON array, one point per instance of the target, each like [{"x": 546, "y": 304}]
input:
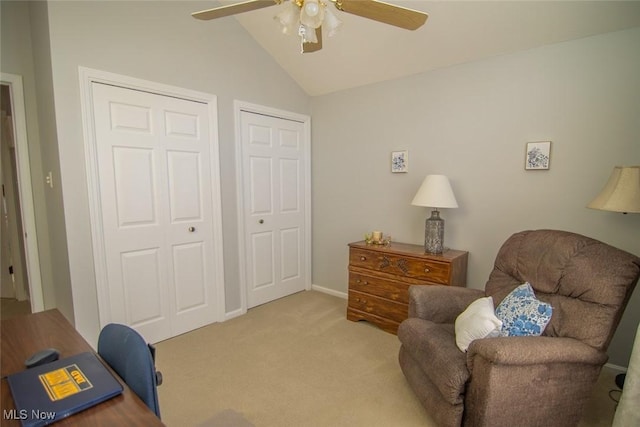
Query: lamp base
[{"x": 434, "y": 234}]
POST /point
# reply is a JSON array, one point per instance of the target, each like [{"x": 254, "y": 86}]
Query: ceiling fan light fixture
[
  {"x": 312, "y": 13},
  {"x": 331, "y": 23},
  {"x": 308, "y": 34},
  {"x": 311, "y": 7},
  {"x": 307, "y": 17},
  {"x": 288, "y": 18}
]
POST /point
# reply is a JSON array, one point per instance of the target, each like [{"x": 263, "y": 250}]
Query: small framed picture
[
  {"x": 538, "y": 156},
  {"x": 399, "y": 161}
]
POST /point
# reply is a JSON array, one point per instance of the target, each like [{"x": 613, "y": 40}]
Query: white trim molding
[{"x": 329, "y": 291}]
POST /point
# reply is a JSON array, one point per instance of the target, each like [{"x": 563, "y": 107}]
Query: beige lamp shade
[
  {"x": 622, "y": 191},
  {"x": 435, "y": 192}
]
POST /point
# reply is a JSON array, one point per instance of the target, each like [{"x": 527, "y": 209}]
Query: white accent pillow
[{"x": 476, "y": 322}]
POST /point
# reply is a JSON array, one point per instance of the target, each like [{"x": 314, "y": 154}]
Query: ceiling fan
[{"x": 307, "y": 17}]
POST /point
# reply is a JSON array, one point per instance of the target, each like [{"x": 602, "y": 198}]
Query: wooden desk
[{"x": 24, "y": 335}]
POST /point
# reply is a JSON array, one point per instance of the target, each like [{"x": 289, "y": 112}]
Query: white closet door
[
  {"x": 274, "y": 204},
  {"x": 157, "y": 210}
]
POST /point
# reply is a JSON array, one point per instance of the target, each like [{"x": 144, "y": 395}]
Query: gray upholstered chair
[{"x": 521, "y": 381}]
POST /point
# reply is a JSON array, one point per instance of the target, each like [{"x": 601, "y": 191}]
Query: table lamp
[
  {"x": 621, "y": 193},
  {"x": 435, "y": 192}
]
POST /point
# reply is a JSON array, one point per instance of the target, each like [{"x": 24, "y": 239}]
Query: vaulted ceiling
[{"x": 365, "y": 51}]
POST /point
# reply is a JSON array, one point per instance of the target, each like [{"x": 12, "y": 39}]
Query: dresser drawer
[
  {"x": 379, "y": 306},
  {"x": 384, "y": 324},
  {"x": 380, "y": 276},
  {"x": 395, "y": 291},
  {"x": 422, "y": 269}
]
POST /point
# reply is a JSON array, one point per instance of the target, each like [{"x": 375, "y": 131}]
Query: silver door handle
[{"x": 192, "y": 229}]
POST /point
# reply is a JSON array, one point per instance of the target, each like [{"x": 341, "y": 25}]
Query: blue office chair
[{"x": 133, "y": 359}]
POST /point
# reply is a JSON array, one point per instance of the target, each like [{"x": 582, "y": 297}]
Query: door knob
[
  {"x": 192, "y": 229},
  {"x": 261, "y": 221}
]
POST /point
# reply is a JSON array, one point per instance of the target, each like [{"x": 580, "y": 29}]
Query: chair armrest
[
  {"x": 533, "y": 351},
  {"x": 439, "y": 303},
  {"x": 537, "y": 380}
]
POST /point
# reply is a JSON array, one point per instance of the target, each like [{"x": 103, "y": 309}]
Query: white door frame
[
  {"x": 239, "y": 107},
  {"x": 25, "y": 190},
  {"x": 89, "y": 76}
]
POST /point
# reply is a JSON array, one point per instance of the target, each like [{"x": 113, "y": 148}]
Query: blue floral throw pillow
[{"x": 522, "y": 314}]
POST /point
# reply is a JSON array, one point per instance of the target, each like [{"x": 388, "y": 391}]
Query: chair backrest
[
  {"x": 587, "y": 282},
  {"x": 130, "y": 356}
]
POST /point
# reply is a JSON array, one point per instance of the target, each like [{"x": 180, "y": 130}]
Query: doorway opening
[
  {"x": 20, "y": 262},
  {"x": 14, "y": 279}
]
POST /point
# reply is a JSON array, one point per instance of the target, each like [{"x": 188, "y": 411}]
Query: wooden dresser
[{"x": 380, "y": 276}]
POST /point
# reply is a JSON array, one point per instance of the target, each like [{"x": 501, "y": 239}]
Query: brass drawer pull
[
  {"x": 403, "y": 266},
  {"x": 426, "y": 270},
  {"x": 364, "y": 301},
  {"x": 363, "y": 258},
  {"x": 360, "y": 281},
  {"x": 386, "y": 262}
]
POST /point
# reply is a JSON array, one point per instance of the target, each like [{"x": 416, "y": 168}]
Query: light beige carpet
[{"x": 297, "y": 361}]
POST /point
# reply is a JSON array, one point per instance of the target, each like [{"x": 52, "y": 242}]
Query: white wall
[
  {"x": 160, "y": 42},
  {"x": 471, "y": 122}
]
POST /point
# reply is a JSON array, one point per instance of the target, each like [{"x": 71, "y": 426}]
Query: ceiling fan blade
[
  {"x": 232, "y": 9},
  {"x": 402, "y": 17},
  {"x": 313, "y": 47}
]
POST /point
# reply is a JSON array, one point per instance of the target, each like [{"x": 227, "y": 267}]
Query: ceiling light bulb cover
[
  {"x": 622, "y": 191},
  {"x": 312, "y": 14},
  {"x": 311, "y": 8},
  {"x": 308, "y": 34},
  {"x": 288, "y": 18},
  {"x": 331, "y": 23}
]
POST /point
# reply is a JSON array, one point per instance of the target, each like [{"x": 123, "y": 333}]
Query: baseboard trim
[
  {"x": 615, "y": 367},
  {"x": 233, "y": 314},
  {"x": 329, "y": 291},
  {"x": 239, "y": 312}
]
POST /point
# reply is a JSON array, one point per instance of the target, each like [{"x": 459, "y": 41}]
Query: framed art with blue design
[
  {"x": 399, "y": 161},
  {"x": 538, "y": 155}
]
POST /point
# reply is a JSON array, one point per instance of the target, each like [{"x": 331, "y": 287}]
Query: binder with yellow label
[{"x": 47, "y": 393}]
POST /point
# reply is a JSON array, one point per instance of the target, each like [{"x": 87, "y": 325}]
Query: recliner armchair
[{"x": 525, "y": 381}]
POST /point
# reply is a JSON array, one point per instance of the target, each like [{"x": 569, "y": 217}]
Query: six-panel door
[{"x": 156, "y": 197}]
